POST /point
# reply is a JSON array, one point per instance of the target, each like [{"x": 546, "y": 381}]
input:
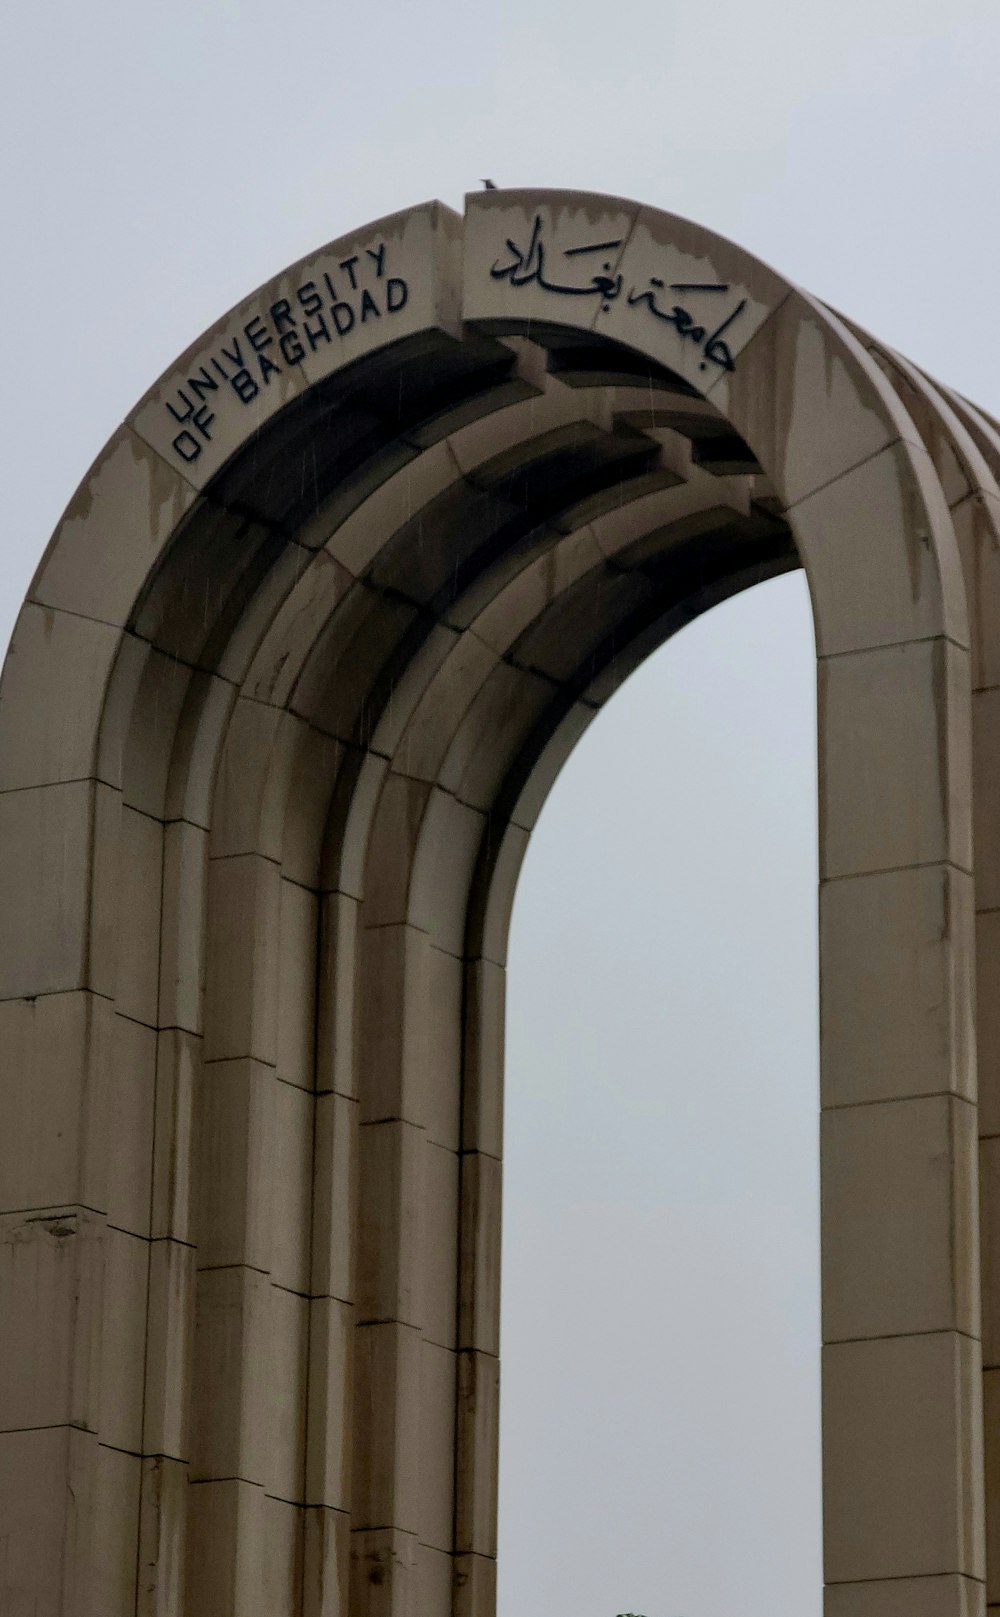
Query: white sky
[{"x": 659, "y": 1428}]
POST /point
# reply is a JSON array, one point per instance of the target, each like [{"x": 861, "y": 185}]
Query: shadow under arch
[{"x": 289, "y": 688}]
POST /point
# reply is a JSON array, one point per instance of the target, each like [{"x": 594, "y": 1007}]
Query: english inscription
[{"x": 318, "y": 315}]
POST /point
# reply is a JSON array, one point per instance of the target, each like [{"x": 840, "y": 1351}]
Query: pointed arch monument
[{"x": 280, "y": 710}]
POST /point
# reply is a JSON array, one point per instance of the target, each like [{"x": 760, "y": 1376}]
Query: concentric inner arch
[{"x": 283, "y": 704}]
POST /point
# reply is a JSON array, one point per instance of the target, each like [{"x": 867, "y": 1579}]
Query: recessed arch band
[{"x": 282, "y": 706}]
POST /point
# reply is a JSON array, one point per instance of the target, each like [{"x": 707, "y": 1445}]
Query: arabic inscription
[{"x": 529, "y": 266}]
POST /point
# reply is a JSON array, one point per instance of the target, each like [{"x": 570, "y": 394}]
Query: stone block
[
  {"x": 286, "y": 1356},
  {"x": 232, "y": 1369},
  {"x": 139, "y": 912},
  {"x": 55, "y": 1060},
  {"x": 479, "y": 1313},
  {"x": 178, "y": 1075},
  {"x": 236, "y": 1142},
  {"x": 298, "y": 940},
  {"x": 896, "y": 986},
  {"x": 123, "y": 1339},
  {"x": 46, "y": 836},
  {"x": 112, "y": 532},
  {"x": 902, "y": 1458},
  {"x": 327, "y": 1563},
  {"x": 225, "y": 1550},
  {"x": 334, "y": 1197},
  {"x": 437, "y": 1447},
  {"x": 51, "y": 1268},
  {"x": 291, "y": 1174},
  {"x": 170, "y": 1338},
  {"x": 900, "y": 1219},
  {"x": 329, "y": 1407},
  {"x": 242, "y": 959},
  {"x": 130, "y": 1118},
  {"x": 53, "y": 687},
  {"x": 894, "y": 750},
  {"x": 388, "y": 1363},
  {"x": 476, "y": 1450},
  {"x": 182, "y": 957}
]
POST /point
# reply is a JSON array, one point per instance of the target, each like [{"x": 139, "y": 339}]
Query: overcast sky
[{"x": 660, "y": 1429}]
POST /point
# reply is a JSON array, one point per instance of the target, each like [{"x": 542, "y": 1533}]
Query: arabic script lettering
[{"x": 528, "y": 266}]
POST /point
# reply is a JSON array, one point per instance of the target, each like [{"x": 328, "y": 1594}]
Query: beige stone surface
[
  {"x": 810, "y": 400},
  {"x": 47, "y": 1537},
  {"x": 138, "y": 932},
  {"x": 388, "y": 1365},
  {"x": 902, "y": 1458},
  {"x": 482, "y": 1113},
  {"x": 329, "y": 1412},
  {"x": 991, "y": 1427},
  {"x": 900, "y": 1219},
  {"x": 894, "y": 742},
  {"x": 442, "y": 1032},
  {"x": 290, "y": 1166},
  {"x": 385, "y": 1573},
  {"x": 475, "y": 1585},
  {"x": 169, "y": 1344},
  {"x": 492, "y": 926},
  {"x": 434, "y": 1571},
  {"x": 976, "y": 521},
  {"x": 476, "y": 1449},
  {"x": 335, "y": 1189},
  {"x": 897, "y": 1000},
  {"x": 131, "y": 1099},
  {"x": 865, "y": 594},
  {"x": 327, "y": 1563},
  {"x": 125, "y": 1290},
  {"x": 298, "y": 940},
  {"x": 907, "y": 1597},
  {"x": 236, "y": 1139},
  {"x": 182, "y": 953},
  {"x": 986, "y": 796},
  {"x": 225, "y": 1550},
  {"x": 51, "y": 697},
  {"x": 241, "y": 959},
  {"x": 286, "y": 1362},
  {"x": 284, "y": 1544},
  {"x": 438, "y": 1386},
  {"x": 438, "y": 1283},
  {"x": 122, "y": 515},
  {"x": 391, "y": 1216},
  {"x": 56, "y": 1064},
  {"x": 391, "y": 1010},
  {"x": 162, "y": 1538},
  {"x": 51, "y": 1268},
  {"x": 335, "y": 1011},
  {"x": 45, "y": 925},
  {"x": 178, "y": 1074},
  {"x": 116, "y": 1532},
  {"x": 479, "y": 1263},
  {"x": 150, "y": 702},
  {"x": 230, "y": 1429}
]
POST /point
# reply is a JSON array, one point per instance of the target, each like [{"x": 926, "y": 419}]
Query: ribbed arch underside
[
  {"x": 279, "y": 716},
  {"x": 456, "y": 558}
]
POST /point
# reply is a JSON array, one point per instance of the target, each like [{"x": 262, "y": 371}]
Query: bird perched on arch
[{"x": 488, "y": 185}]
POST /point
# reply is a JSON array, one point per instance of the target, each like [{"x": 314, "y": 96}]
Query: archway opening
[{"x": 660, "y": 1336}]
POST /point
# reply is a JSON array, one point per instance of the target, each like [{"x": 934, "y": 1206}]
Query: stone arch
[{"x": 280, "y": 710}]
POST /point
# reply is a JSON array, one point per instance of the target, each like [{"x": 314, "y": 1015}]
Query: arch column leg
[{"x": 902, "y": 1420}]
